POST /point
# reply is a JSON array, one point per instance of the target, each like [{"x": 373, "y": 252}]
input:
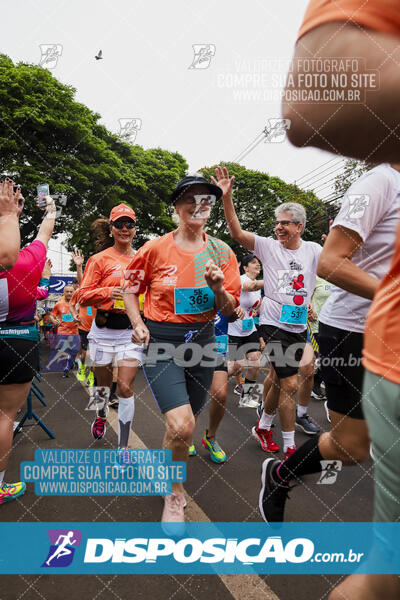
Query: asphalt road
[{"x": 227, "y": 492}]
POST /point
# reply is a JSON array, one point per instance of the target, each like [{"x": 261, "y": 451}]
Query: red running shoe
[
  {"x": 265, "y": 437},
  {"x": 99, "y": 428},
  {"x": 289, "y": 452}
]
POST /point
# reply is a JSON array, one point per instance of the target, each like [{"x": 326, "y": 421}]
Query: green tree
[
  {"x": 353, "y": 169},
  {"x": 46, "y": 136},
  {"x": 256, "y": 195}
]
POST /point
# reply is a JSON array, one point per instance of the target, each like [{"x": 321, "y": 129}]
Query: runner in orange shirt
[
  {"x": 67, "y": 325},
  {"x": 111, "y": 330},
  {"x": 187, "y": 276}
]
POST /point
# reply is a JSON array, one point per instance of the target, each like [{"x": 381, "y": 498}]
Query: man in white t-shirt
[
  {"x": 356, "y": 256},
  {"x": 289, "y": 268}
]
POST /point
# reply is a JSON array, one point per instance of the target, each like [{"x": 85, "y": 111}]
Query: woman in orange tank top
[{"x": 110, "y": 333}]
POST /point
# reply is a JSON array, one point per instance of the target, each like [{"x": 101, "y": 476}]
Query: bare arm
[
  {"x": 74, "y": 313},
  {"x": 335, "y": 263},
  {"x": 47, "y": 226},
  {"x": 78, "y": 259},
  {"x": 140, "y": 332},
  {"x": 253, "y": 286},
  {"x": 54, "y": 319},
  {"x": 225, "y": 302},
  {"x": 244, "y": 238},
  {"x": 132, "y": 308},
  {"x": 367, "y": 128}
]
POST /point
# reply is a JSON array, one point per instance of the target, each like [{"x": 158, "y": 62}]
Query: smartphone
[{"x": 42, "y": 190}]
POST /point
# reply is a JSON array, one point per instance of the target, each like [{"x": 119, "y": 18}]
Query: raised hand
[
  {"x": 47, "y": 203},
  {"x": 19, "y": 200},
  {"x": 78, "y": 257},
  {"x": 9, "y": 199},
  {"x": 223, "y": 180}
]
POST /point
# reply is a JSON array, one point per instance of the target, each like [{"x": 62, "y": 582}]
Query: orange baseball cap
[{"x": 122, "y": 210}]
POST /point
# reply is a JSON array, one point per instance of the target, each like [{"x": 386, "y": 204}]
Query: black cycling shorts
[
  {"x": 179, "y": 363},
  {"x": 84, "y": 339},
  {"x": 242, "y": 345},
  {"x": 284, "y": 349},
  {"x": 340, "y": 353},
  {"x": 19, "y": 360}
]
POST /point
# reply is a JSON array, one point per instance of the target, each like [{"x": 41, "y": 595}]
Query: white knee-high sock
[{"x": 126, "y": 410}]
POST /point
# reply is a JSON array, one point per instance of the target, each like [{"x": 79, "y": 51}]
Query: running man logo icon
[
  {"x": 189, "y": 335},
  {"x": 275, "y": 132},
  {"x": 63, "y": 543},
  {"x": 358, "y": 204},
  {"x": 330, "y": 470},
  {"x": 285, "y": 277},
  {"x": 203, "y": 53},
  {"x": 128, "y": 129},
  {"x": 98, "y": 397},
  {"x": 50, "y": 54}
]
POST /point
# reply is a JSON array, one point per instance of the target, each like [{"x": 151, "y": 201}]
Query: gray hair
[{"x": 297, "y": 211}]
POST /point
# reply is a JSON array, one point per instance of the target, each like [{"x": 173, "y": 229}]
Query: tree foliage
[
  {"x": 256, "y": 195},
  {"x": 46, "y": 136},
  {"x": 353, "y": 169}
]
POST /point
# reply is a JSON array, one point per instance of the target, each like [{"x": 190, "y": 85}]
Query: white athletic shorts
[{"x": 107, "y": 344}]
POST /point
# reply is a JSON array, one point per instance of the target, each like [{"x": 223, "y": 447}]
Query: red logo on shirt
[{"x": 298, "y": 283}]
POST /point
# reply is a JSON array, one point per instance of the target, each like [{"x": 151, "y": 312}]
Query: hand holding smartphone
[{"x": 42, "y": 191}]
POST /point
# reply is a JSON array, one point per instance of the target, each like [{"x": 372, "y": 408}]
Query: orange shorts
[{"x": 379, "y": 15}]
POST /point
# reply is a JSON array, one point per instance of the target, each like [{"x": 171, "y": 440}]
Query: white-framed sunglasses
[{"x": 204, "y": 199}]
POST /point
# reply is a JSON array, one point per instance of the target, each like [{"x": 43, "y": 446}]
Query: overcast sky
[{"x": 209, "y": 114}]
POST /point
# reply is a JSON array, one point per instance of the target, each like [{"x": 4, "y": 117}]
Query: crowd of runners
[
  {"x": 204, "y": 318},
  {"x": 320, "y": 318}
]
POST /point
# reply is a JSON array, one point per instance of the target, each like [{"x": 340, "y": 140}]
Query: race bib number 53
[{"x": 294, "y": 315}]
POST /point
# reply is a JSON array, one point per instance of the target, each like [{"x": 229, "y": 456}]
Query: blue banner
[
  {"x": 57, "y": 284},
  {"x": 203, "y": 548}
]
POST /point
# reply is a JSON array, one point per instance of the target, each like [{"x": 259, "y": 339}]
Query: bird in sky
[{"x": 99, "y": 55}]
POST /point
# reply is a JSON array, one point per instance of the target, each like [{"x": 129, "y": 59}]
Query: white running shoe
[{"x": 173, "y": 516}]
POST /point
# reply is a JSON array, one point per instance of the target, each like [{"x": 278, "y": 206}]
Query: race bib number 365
[{"x": 192, "y": 301}]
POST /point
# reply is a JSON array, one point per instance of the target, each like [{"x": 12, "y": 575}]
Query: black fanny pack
[{"x": 112, "y": 320}]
